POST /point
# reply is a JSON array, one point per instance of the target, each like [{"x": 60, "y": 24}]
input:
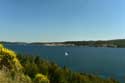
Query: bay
[{"x": 104, "y": 62}]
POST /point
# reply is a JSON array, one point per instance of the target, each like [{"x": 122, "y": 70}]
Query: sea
[{"x": 101, "y": 61}]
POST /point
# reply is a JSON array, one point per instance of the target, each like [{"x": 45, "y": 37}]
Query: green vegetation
[
  {"x": 32, "y": 69},
  {"x": 11, "y": 70},
  {"x": 34, "y": 65},
  {"x": 39, "y": 78}
]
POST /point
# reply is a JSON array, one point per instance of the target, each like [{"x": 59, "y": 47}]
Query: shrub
[{"x": 40, "y": 78}]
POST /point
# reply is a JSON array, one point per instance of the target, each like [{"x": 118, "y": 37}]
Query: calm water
[{"x": 105, "y": 62}]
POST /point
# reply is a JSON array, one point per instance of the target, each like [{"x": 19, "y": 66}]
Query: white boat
[{"x": 66, "y": 53}]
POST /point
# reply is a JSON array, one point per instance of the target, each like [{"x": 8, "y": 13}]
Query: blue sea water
[{"x": 104, "y": 62}]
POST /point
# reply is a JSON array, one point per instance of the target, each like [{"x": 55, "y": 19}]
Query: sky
[{"x": 61, "y": 20}]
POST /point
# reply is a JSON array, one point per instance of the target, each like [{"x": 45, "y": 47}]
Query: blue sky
[{"x": 61, "y": 20}]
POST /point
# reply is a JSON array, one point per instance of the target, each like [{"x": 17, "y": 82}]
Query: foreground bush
[{"x": 11, "y": 70}]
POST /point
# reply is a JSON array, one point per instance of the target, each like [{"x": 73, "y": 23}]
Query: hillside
[
  {"x": 11, "y": 70},
  {"x": 117, "y": 43}
]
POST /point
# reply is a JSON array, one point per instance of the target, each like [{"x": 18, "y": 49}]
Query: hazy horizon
[{"x": 61, "y": 20}]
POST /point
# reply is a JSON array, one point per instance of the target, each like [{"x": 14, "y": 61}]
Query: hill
[
  {"x": 117, "y": 43},
  {"x": 100, "y": 43}
]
